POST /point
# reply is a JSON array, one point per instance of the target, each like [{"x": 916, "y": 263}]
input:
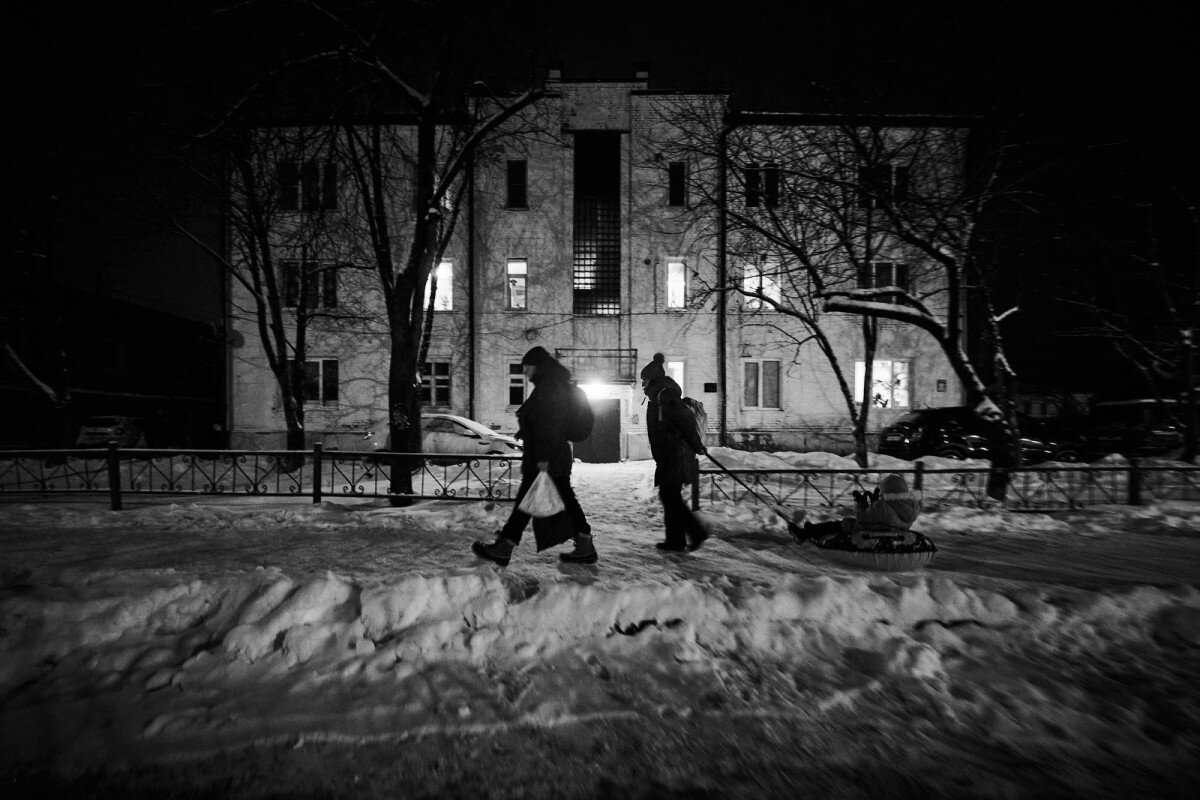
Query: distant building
[{"x": 594, "y": 242}]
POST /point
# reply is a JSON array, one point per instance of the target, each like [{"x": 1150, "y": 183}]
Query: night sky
[{"x": 1098, "y": 95}]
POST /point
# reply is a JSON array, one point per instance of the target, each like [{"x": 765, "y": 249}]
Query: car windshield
[{"x": 911, "y": 418}]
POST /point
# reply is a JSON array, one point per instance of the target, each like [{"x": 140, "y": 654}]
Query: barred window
[{"x": 597, "y": 223}]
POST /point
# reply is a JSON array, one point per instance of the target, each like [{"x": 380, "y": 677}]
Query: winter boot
[
  {"x": 699, "y": 534},
  {"x": 670, "y": 547},
  {"x": 499, "y": 551},
  {"x": 817, "y": 531},
  {"x": 584, "y": 552}
]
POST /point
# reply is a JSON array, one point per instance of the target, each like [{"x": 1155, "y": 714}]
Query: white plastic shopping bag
[{"x": 542, "y": 499}]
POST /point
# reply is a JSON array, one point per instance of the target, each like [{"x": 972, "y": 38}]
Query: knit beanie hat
[
  {"x": 893, "y": 484},
  {"x": 654, "y": 369},
  {"x": 535, "y": 356}
]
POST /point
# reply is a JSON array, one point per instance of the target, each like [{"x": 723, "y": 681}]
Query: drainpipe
[
  {"x": 722, "y": 278},
  {"x": 471, "y": 285}
]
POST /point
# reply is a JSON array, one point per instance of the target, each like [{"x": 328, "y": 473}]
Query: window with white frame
[
  {"x": 309, "y": 283},
  {"x": 514, "y": 291},
  {"x": 677, "y": 284},
  {"x": 889, "y": 383},
  {"x": 760, "y": 278},
  {"x": 318, "y": 380},
  {"x": 435, "y": 384},
  {"x": 444, "y": 299},
  {"x": 760, "y": 383},
  {"x": 516, "y": 384}
]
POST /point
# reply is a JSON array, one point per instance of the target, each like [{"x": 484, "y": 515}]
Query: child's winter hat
[
  {"x": 655, "y": 368},
  {"x": 893, "y": 484},
  {"x": 536, "y": 356}
]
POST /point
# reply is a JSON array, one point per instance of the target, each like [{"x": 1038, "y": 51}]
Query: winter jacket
[
  {"x": 673, "y": 439},
  {"x": 893, "y": 511},
  {"x": 542, "y": 420}
]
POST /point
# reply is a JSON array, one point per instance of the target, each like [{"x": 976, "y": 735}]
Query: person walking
[
  {"x": 674, "y": 443},
  {"x": 542, "y": 422}
]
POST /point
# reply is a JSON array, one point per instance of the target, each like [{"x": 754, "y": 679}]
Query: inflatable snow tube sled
[{"x": 892, "y": 554}]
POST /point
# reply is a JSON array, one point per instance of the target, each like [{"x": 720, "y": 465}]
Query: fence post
[
  {"x": 918, "y": 476},
  {"x": 1135, "y": 482},
  {"x": 316, "y": 473},
  {"x": 114, "y": 477},
  {"x": 696, "y": 487}
]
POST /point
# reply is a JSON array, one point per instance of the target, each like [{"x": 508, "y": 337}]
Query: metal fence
[
  {"x": 120, "y": 473},
  {"x": 1072, "y": 487}
]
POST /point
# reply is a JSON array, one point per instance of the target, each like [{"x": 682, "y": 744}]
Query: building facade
[{"x": 604, "y": 242}]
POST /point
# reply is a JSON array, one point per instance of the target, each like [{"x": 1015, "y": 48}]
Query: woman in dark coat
[
  {"x": 542, "y": 426},
  {"x": 674, "y": 443}
]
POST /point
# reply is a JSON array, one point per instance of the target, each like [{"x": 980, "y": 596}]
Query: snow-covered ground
[{"x": 1038, "y": 655}]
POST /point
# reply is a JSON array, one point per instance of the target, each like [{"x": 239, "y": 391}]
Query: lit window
[
  {"x": 516, "y": 384},
  {"x": 676, "y": 284},
  {"x": 760, "y": 383},
  {"x": 889, "y": 383},
  {"x": 319, "y": 380},
  {"x": 761, "y": 279},
  {"x": 518, "y": 271},
  {"x": 444, "y": 300},
  {"x": 435, "y": 384},
  {"x": 674, "y": 370}
]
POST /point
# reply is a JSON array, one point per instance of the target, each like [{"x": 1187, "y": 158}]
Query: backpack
[
  {"x": 581, "y": 418},
  {"x": 694, "y": 411}
]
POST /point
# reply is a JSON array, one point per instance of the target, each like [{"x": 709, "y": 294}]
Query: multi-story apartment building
[{"x": 605, "y": 242}]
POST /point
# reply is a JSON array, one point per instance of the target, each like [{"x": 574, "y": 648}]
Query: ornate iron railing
[
  {"x": 1028, "y": 489},
  {"x": 316, "y": 473}
]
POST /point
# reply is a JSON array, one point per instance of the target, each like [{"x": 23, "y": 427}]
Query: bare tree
[
  {"x": 407, "y": 91},
  {"x": 830, "y": 216}
]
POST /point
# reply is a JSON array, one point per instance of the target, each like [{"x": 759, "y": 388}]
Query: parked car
[
  {"x": 957, "y": 432},
  {"x": 1142, "y": 427},
  {"x": 451, "y": 433},
  {"x": 104, "y": 430}
]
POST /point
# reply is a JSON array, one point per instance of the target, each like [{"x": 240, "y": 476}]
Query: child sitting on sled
[{"x": 884, "y": 514}]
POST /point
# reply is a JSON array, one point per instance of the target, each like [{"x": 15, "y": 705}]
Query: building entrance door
[{"x": 604, "y": 446}]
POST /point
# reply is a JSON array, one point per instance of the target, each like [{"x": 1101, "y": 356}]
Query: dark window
[
  {"x": 319, "y": 380},
  {"x": 597, "y": 228},
  {"x": 435, "y": 384},
  {"x": 753, "y": 186},
  {"x": 887, "y": 273},
  {"x": 310, "y": 283},
  {"x": 879, "y": 185},
  {"x": 771, "y": 186},
  {"x": 289, "y": 186},
  {"x": 518, "y": 194},
  {"x": 329, "y": 187},
  {"x": 311, "y": 186},
  {"x": 516, "y": 384},
  {"x": 677, "y": 184}
]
